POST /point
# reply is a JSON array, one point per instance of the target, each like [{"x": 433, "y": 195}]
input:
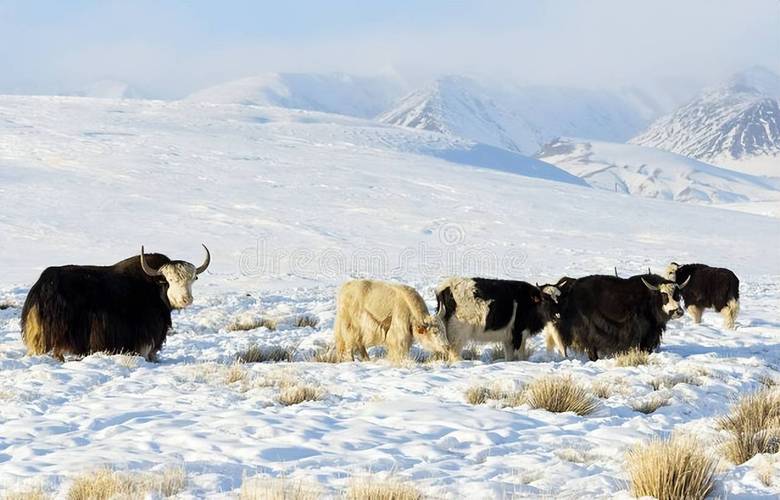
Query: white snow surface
[
  {"x": 291, "y": 203},
  {"x": 653, "y": 173}
]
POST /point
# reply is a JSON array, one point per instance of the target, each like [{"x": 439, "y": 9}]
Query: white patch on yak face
[
  {"x": 180, "y": 276},
  {"x": 671, "y": 271},
  {"x": 671, "y": 305},
  {"x": 553, "y": 292}
]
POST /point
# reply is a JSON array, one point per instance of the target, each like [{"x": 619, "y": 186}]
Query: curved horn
[
  {"x": 684, "y": 283},
  {"x": 616, "y": 274},
  {"x": 206, "y": 262},
  {"x": 147, "y": 269},
  {"x": 648, "y": 285}
]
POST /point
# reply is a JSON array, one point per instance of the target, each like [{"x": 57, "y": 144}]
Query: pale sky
[{"x": 170, "y": 48}]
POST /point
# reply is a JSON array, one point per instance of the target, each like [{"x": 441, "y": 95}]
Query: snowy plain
[{"x": 292, "y": 203}]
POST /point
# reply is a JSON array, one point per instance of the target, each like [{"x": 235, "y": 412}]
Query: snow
[
  {"x": 521, "y": 118},
  {"x": 291, "y": 203},
  {"x": 351, "y": 95},
  {"x": 735, "y": 125},
  {"x": 654, "y": 173}
]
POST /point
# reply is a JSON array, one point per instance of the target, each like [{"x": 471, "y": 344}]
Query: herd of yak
[{"x": 126, "y": 307}]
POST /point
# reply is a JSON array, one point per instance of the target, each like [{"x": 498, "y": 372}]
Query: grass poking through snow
[
  {"x": 753, "y": 425},
  {"x": 368, "y": 488},
  {"x": 106, "y": 484},
  {"x": 299, "y": 393},
  {"x": 677, "y": 468},
  {"x": 559, "y": 393},
  {"x": 650, "y": 404},
  {"x": 268, "y": 488},
  {"x": 274, "y": 354},
  {"x": 632, "y": 357}
]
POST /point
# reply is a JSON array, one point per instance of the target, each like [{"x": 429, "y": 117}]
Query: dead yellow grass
[
  {"x": 559, "y": 393},
  {"x": 298, "y": 393},
  {"x": 650, "y": 404},
  {"x": 481, "y": 394},
  {"x": 306, "y": 320},
  {"x": 672, "y": 469},
  {"x": 632, "y": 357},
  {"x": 327, "y": 354},
  {"x": 268, "y": 488},
  {"x": 248, "y": 322},
  {"x": 369, "y": 488},
  {"x": 33, "y": 493},
  {"x": 275, "y": 354},
  {"x": 106, "y": 484},
  {"x": 765, "y": 470},
  {"x": 753, "y": 425}
]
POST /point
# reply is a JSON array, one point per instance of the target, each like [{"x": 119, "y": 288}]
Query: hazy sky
[{"x": 170, "y": 48}]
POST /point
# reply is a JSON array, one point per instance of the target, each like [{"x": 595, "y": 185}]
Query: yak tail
[
  {"x": 32, "y": 332},
  {"x": 730, "y": 313}
]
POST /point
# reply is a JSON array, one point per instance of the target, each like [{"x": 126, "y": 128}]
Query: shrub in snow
[
  {"x": 672, "y": 469},
  {"x": 753, "y": 425},
  {"x": 559, "y": 393}
]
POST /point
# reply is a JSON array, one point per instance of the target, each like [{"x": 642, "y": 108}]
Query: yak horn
[
  {"x": 616, "y": 274},
  {"x": 684, "y": 283},
  {"x": 147, "y": 269},
  {"x": 648, "y": 285},
  {"x": 206, "y": 262}
]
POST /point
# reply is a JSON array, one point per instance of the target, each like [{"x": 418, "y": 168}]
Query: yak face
[
  {"x": 670, "y": 295},
  {"x": 430, "y": 333},
  {"x": 671, "y": 271},
  {"x": 549, "y": 307},
  {"x": 179, "y": 275}
]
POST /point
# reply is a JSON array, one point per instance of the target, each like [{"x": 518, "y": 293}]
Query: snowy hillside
[
  {"x": 735, "y": 125},
  {"x": 291, "y": 203},
  {"x": 339, "y": 93},
  {"x": 649, "y": 172},
  {"x": 520, "y": 118}
]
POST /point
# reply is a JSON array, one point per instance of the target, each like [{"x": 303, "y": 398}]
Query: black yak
[
  {"x": 713, "y": 287},
  {"x": 125, "y": 307}
]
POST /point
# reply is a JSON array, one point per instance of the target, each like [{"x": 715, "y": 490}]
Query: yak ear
[{"x": 421, "y": 329}]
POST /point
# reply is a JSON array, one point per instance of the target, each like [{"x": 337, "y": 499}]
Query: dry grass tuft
[
  {"x": 298, "y": 393},
  {"x": 602, "y": 388},
  {"x": 235, "y": 373},
  {"x": 327, "y": 354},
  {"x": 368, "y": 488},
  {"x": 34, "y": 493},
  {"x": 559, "y": 393},
  {"x": 574, "y": 455},
  {"x": 481, "y": 394},
  {"x": 765, "y": 471},
  {"x": 246, "y": 323},
  {"x": 767, "y": 381},
  {"x": 754, "y": 426},
  {"x": 106, "y": 484},
  {"x": 267, "y": 488},
  {"x": 274, "y": 354},
  {"x": 126, "y": 360},
  {"x": 632, "y": 357},
  {"x": 670, "y": 381},
  {"x": 650, "y": 404},
  {"x": 671, "y": 469},
  {"x": 306, "y": 320},
  {"x": 471, "y": 353}
]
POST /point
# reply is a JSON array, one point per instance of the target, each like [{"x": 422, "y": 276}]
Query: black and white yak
[
  {"x": 491, "y": 310},
  {"x": 125, "y": 307}
]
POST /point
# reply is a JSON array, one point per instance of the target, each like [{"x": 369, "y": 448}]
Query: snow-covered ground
[{"x": 292, "y": 203}]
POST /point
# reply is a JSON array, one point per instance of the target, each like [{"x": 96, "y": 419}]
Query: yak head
[
  {"x": 671, "y": 271},
  {"x": 549, "y": 299},
  {"x": 669, "y": 295},
  {"x": 430, "y": 333},
  {"x": 179, "y": 276}
]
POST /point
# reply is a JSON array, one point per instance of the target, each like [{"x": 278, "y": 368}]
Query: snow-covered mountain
[
  {"x": 109, "y": 89},
  {"x": 736, "y": 124},
  {"x": 520, "y": 118},
  {"x": 654, "y": 173},
  {"x": 340, "y": 93}
]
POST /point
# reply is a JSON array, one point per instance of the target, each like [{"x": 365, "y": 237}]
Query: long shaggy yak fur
[{"x": 85, "y": 309}]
